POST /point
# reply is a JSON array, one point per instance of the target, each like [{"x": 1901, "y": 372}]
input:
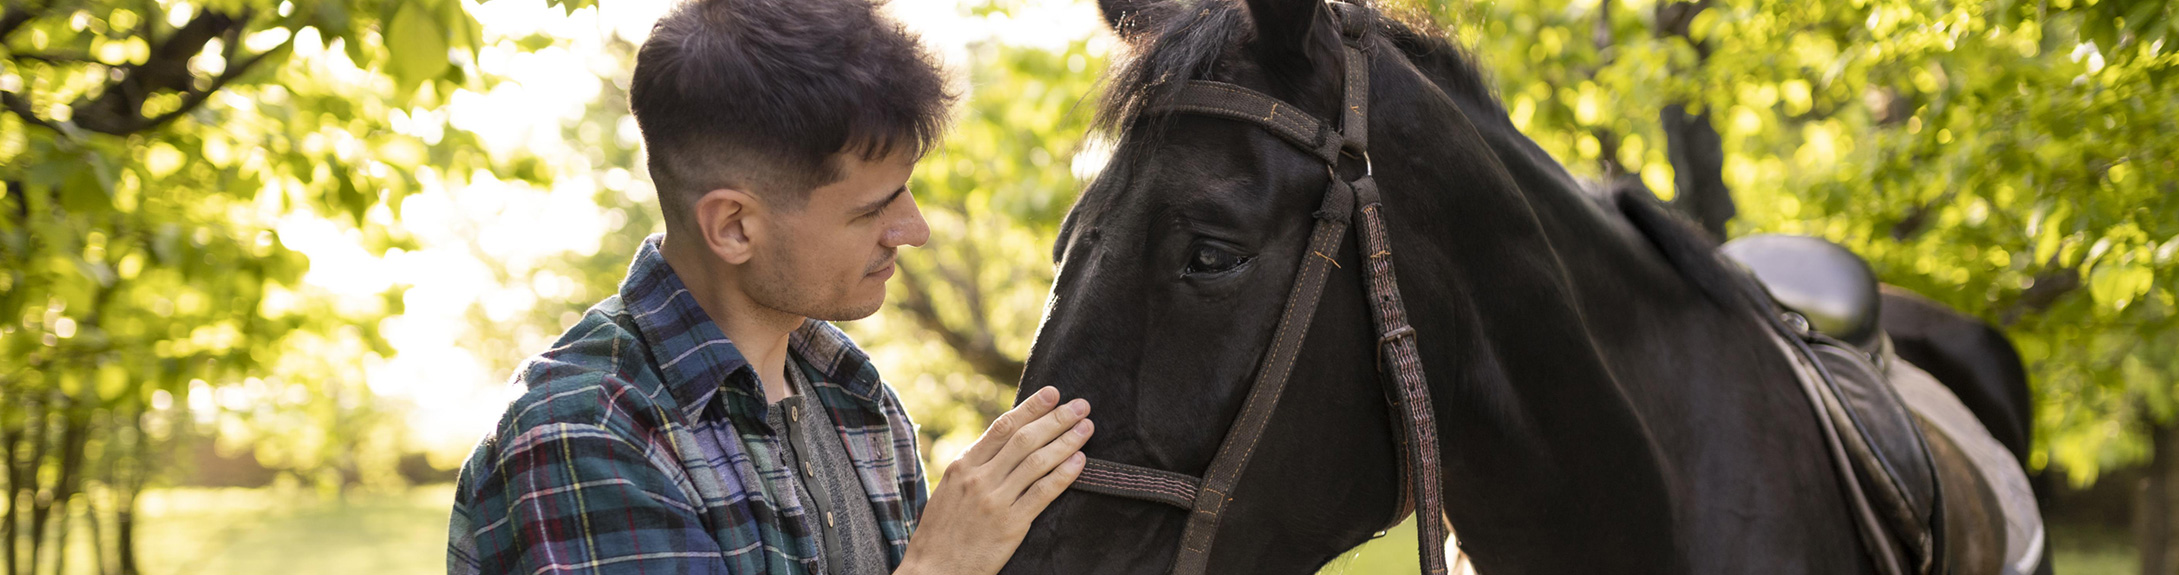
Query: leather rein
[{"x": 1399, "y": 363}]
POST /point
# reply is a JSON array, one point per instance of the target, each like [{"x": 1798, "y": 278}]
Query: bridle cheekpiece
[{"x": 1399, "y": 362}]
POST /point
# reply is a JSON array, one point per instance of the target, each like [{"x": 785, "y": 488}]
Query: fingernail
[
  {"x": 1048, "y": 396},
  {"x": 1078, "y": 406},
  {"x": 1082, "y": 428},
  {"x": 1076, "y": 459}
]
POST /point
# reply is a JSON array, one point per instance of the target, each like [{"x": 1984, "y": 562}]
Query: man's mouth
[{"x": 881, "y": 271}]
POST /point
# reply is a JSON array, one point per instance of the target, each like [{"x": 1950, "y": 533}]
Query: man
[{"x": 707, "y": 419}]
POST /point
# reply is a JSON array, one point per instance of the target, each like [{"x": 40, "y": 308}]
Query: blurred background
[{"x": 268, "y": 264}]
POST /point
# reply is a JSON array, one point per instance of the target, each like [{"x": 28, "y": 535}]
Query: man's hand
[{"x": 983, "y": 506}]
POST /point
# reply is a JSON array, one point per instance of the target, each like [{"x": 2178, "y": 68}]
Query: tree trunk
[
  {"x": 124, "y": 538},
  {"x": 10, "y": 441},
  {"x": 2157, "y": 506},
  {"x": 98, "y": 534},
  {"x": 1696, "y": 150},
  {"x": 74, "y": 435},
  {"x": 41, "y": 431},
  {"x": 1607, "y": 142},
  {"x": 1698, "y": 169},
  {"x": 60, "y": 534},
  {"x": 127, "y": 485}
]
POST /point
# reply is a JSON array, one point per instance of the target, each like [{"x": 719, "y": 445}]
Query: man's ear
[{"x": 727, "y": 219}]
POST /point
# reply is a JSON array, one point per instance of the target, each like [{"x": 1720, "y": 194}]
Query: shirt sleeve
[{"x": 578, "y": 498}]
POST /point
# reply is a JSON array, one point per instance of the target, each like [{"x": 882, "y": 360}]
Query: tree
[
  {"x": 2011, "y": 159},
  {"x": 158, "y": 159}
]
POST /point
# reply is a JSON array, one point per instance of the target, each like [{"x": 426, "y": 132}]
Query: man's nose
[{"x": 909, "y": 229}]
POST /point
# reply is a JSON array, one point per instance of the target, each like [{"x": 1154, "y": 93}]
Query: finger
[
  {"x": 1045, "y": 459},
  {"x": 1037, "y": 434},
  {"x": 1048, "y": 488},
  {"x": 1003, "y": 428}
]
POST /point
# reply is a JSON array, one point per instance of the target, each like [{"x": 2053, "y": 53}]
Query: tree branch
[
  {"x": 118, "y": 109},
  {"x": 51, "y": 58},
  {"x": 1676, "y": 18},
  {"x": 1917, "y": 218},
  {"x": 971, "y": 293},
  {"x": 20, "y": 105},
  {"x": 22, "y": 208},
  {"x": 2049, "y": 286},
  {"x": 15, "y": 17},
  {"x": 981, "y": 353},
  {"x": 196, "y": 98}
]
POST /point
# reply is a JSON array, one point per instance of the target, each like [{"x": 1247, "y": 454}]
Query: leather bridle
[{"x": 1344, "y": 201}]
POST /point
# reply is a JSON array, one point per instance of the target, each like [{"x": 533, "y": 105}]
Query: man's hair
[{"x": 763, "y": 95}]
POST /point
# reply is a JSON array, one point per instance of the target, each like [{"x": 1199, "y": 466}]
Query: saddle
[{"x": 1826, "y": 318}]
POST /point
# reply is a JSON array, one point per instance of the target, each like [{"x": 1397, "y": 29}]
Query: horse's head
[
  {"x": 1172, "y": 272},
  {"x": 1175, "y": 264}
]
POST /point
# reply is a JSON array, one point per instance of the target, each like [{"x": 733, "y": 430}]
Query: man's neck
[{"x": 759, "y": 333}]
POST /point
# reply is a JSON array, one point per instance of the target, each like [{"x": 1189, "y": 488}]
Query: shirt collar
[{"x": 697, "y": 360}]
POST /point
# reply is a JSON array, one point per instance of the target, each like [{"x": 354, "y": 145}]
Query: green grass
[
  {"x": 2093, "y": 551},
  {"x": 1392, "y": 554},
  {"x": 288, "y": 531},
  {"x": 274, "y": 531}
]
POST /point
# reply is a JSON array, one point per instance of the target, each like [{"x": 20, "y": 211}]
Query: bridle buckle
[{"x": 1403, "y": 332}]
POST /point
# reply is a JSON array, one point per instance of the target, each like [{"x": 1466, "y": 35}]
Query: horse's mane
[{"x": 1178, "y": 43}]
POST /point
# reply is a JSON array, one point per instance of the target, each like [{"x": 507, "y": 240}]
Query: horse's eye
[{"x": 1211, "y": 259}]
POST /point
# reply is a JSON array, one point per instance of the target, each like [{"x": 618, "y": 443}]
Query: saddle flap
[{"x": 1890, "y": 457}]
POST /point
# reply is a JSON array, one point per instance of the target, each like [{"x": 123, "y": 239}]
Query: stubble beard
[{"x": 778, "y": 288}]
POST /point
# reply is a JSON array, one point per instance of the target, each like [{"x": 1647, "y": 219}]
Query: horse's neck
[
  {"x": 1548, "y": 466},
  {"x": 1746, "y": 474}
]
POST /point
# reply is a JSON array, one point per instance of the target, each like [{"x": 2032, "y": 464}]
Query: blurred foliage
[
  {"x": 2012, "y": 159},
  {"x": 286, "y": 529},
  {"x": 152, "y": 151}
]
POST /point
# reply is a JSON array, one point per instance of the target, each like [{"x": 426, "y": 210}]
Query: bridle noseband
[{"x": 1344, "y": 201}]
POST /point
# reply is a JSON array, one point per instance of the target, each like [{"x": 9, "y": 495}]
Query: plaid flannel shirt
[{"x": 640, "y": 446}]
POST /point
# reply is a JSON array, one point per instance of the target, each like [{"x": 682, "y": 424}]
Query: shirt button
[
  {"x": 794, "y": 413},
  {"x": 828, "y": 518},
  {"x": 806, "y": 470}
]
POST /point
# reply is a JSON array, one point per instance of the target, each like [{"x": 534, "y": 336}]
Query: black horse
[
  {"x": 1601, "y": 409},
  {"x": 1970, "y": 357}
]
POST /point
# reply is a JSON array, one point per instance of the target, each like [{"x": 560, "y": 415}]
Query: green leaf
[
  {"x": 463, "y": 30},
  {"x": 349, "y": 197},
  {"x": 2145, "y": 17},
  {"x": 416, "y": 46},
  {"x": 87, "y": 190},
  {"x": 571, "y": 5}
]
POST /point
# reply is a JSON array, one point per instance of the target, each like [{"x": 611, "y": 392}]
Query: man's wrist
[{"x": 912, "y": 565}]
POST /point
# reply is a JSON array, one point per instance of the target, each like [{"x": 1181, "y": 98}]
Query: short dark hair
[{"x": 762, "y": 95}]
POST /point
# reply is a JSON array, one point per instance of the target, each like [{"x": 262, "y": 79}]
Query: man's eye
[{"x": 1211, "y": 260}]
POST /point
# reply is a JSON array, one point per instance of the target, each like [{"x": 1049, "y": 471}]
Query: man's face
[{"x": 829, "y": 260}]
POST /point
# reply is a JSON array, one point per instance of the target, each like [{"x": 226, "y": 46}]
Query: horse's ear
[
  {"x": 1130, "y": 18},
  {"x": 1296, "y": 33}
]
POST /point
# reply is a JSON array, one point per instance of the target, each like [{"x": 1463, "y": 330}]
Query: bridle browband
[{"x": 1344, "y": 201}]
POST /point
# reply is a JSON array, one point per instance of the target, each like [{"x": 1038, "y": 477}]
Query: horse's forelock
[{"x": 1169, "y": 52}]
